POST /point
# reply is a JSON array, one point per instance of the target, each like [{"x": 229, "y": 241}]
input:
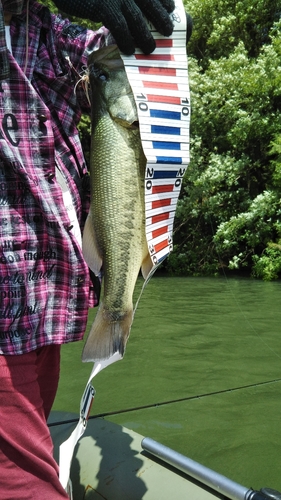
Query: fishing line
[
  {"x": 172, "y": 401},
  {"x": 83, "y": 79},
  {"x": 189, "y": 398},
  {"x": 238, "y": 303}
]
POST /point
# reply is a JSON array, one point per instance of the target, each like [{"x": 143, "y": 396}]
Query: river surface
[{"x": 201, "y": 374}]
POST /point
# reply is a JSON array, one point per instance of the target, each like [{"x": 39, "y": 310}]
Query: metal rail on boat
[{"x": 207, "y": 476}]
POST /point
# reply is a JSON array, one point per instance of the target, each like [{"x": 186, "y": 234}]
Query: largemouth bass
[{"x": 114, "y": 236}]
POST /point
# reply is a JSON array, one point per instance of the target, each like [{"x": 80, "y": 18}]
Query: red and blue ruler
[{"x": 160, "y": 85}]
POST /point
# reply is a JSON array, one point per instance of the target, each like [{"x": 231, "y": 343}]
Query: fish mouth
[{"x": 131, "y": 125}]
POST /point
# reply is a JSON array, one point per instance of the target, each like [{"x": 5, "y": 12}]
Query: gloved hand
[{"x": 125, "y": 19}]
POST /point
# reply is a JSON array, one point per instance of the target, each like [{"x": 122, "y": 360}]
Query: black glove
[{"x": 125, "y": 19}]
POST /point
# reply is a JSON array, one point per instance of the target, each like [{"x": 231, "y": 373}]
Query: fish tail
[{"x": 106, "y": 336}]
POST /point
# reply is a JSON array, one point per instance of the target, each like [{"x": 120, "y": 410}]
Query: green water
[{"x": 201, "y": 374}]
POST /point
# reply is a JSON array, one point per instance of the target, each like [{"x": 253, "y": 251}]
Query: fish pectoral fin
[
  {"x": 107, "y": 337},
  {"x": 146, "y": 266},
  {"x": 90, "y": 248}
]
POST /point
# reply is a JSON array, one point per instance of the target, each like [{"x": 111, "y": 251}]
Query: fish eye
[
  {"x": 103, "y": 77},
  {"x": 99, "y": 74}
]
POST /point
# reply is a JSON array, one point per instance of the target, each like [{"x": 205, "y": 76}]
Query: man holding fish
[{"x": 45, "y": 287}]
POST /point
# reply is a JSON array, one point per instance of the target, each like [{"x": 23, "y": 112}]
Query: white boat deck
[{"x": 109, "y": 463}]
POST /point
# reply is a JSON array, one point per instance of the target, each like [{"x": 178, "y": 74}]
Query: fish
[{"x": 114, "y": 238}]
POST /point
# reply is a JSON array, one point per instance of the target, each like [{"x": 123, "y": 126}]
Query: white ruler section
[{"x": 160, "y": 85}]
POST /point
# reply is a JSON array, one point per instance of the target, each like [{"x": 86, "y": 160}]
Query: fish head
[{"x": 110, "y": 88}]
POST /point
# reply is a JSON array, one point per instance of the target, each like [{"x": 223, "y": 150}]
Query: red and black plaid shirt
[{"x": 44, "y": 280}]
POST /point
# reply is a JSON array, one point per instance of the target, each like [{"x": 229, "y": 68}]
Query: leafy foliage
[
  {"x": 229, "y": 213},
  {"x": 219, "y": 25}
]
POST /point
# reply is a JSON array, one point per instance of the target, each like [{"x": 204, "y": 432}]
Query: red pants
[{"x": 28, "y": 384}]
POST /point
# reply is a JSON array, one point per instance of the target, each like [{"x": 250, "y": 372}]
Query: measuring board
[{"x": 160, "y": 86}]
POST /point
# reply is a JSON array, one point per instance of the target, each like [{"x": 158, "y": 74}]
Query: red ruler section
[{"x": 160, "y": 85}]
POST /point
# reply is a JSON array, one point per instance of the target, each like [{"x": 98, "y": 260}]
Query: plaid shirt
[{"x": 44, "y": 280}]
